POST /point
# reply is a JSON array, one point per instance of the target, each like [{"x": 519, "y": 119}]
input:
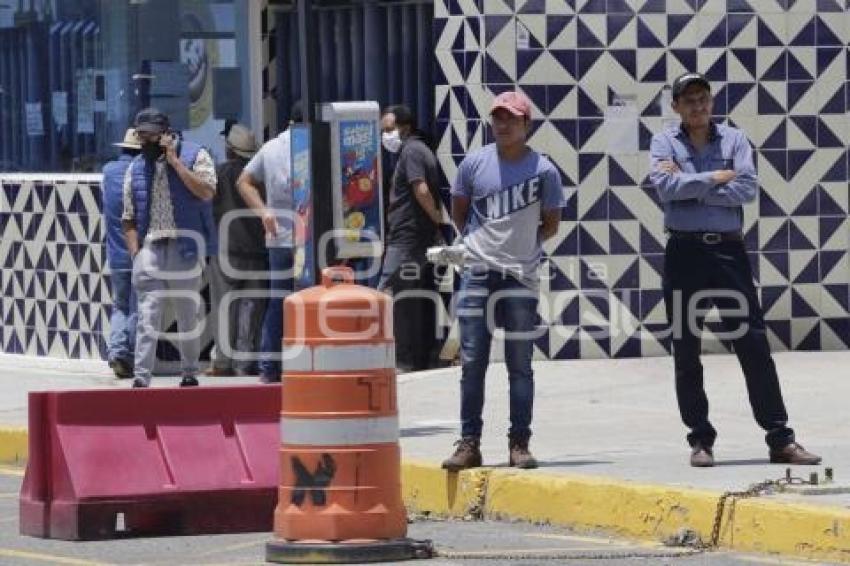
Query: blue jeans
[
  {"x": 280, "y": 259},
  {"x": 122, "y": 322},
  {"x": 481, "y": 307}
]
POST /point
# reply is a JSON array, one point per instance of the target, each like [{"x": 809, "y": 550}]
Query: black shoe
[
  {"x": 189, "y": 381},
  {"x": 140, "y": 382},
  {"x": 269, "y": 379},
  {"x": 121, "y": 368}
]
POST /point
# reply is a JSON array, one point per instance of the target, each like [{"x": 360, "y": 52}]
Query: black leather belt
[{"x": 707, "y": 237}]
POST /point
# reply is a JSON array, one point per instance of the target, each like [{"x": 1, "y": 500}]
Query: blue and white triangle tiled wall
[
  {"x": 55, "y": 297},
  {"x": 780, "y": 71}
]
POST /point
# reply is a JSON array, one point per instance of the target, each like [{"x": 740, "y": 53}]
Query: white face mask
[{"x": 391, "y": 141}]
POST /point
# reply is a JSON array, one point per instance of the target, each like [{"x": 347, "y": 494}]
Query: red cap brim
[{"x": 510, "y": 109}]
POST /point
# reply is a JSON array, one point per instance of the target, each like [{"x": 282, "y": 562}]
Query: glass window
[{"x": 73, "y": 73}]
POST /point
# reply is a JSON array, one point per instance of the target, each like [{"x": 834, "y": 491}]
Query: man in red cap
[{"x": 506, "y": 200}]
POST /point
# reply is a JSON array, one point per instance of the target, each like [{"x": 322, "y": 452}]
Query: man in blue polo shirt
[{"x": 704, "y": 174}]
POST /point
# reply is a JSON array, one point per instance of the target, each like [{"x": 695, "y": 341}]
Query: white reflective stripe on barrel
[
  {"x": 339, "y": 432},
  {"x": 352, "y": 357}
]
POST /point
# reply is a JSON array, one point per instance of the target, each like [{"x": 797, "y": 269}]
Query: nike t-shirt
[{"x": 506, "y": 201}]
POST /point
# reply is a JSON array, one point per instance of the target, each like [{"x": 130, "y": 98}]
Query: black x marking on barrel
[{"x": 315, "y": 483}]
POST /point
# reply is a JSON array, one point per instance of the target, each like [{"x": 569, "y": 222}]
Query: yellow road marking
[
  {"x": 38, "y": 557},
  {"x": 777, "y": 560},
  {"x": 9, "y": 495},
  {"x": 595, "y": 540},
  {"x": 523, "y": 551},
  {"x": 229, "y": 548},
  {"x": 4, "y": 471}
]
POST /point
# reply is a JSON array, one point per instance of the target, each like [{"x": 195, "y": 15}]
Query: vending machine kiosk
[{"x": 336, "y": 187}]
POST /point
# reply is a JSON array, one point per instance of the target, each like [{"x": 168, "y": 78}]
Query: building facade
[{"x": 596, "y": 71}]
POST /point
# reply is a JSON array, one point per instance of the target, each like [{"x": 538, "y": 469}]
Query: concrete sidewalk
[
  {"x": 619, "y": 419},
  {"x": 612, "y": 449}
]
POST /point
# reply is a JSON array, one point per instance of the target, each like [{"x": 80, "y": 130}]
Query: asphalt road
[{"x": 458, "y": 543}]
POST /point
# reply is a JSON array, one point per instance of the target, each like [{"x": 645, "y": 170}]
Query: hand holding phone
[{"x": 169, "y": 145}]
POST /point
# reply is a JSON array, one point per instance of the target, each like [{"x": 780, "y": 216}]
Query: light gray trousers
[{"x": 161, "y": 274}]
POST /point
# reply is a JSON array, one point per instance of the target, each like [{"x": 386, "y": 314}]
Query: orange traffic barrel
[{"x": 339, "y": 498}]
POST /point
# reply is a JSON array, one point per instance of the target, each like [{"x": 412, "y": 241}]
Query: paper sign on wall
[
  {"x": 523, "y": 36},
  {"x": 669, "y": 119},
  {"x": 35, "y": 121},
  {"x": 85, "y": 103},
  {"x": 621, "y": 125},
  {"x": 59, "y": 106},
  {"x": 115, "y": 87}
]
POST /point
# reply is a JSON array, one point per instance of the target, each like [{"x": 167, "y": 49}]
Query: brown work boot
[
  {"x": 793, "y": 454},
  {"x": 520, "y": 457},
  {"x": 702, "y": 456},
  {"x": 467, "y": 455}
]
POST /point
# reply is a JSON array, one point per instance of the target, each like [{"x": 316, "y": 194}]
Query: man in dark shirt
[
  {"x": 413, "y": 218},
  {"x": 240, "y": 265}
]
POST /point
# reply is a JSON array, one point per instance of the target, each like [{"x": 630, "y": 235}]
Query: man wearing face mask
[
  {"x": 413, "y": 218},
  {"x": 169, "y": 227},
  {"x": 391, "y": 144}
]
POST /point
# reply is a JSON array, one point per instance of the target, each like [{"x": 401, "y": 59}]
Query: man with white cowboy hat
[
  {"x": 238, "y": 267},
  {"x": 122, "y": 323}
]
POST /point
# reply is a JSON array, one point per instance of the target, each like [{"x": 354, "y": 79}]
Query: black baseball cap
[
  {"x": 684, "y": 81},
  {"x": 151, "y": 120}
]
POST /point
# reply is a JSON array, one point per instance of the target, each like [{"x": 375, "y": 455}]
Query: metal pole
[{"x": 305, "y": 51}]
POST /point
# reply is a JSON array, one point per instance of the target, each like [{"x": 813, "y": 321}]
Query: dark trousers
[
  {"x": 280, "y": 285},
  {"x": 691, "y": 267},
  {"x": 237, "y": 334},
  {"x": 410, "y": 277}
]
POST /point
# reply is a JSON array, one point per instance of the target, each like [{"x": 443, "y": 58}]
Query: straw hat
[
  {"x": 241, "y": 141},
  {"x": 131, "y": 140}
]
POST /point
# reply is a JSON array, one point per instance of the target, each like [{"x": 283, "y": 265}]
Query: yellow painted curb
[
  {"x": 13, "y": 445},
  {"x": 625, "y": 508},
  {"x": 630, "y": 509},
  {"x": 428, "y": 489}
]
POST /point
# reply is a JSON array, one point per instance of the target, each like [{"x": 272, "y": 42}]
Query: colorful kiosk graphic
[
  {"x": 304, "y": 263},
  {"x": 336, "y": 190},
  {"x": 356, "y": 178}
]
